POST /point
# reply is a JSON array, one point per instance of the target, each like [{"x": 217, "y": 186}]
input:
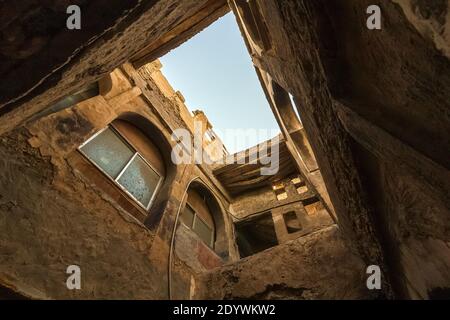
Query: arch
[
  {"x": 286, "y": 112},
  {"x": 216, "y": 211},
  {"x": 221, "y": 247}
]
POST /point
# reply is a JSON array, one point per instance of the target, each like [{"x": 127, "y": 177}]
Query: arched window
[
  {"x": 198, "y": 217},
  {"x": 125, "y": 155}
]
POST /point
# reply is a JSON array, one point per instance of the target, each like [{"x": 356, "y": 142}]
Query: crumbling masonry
[{"x": 363, "y": 179}]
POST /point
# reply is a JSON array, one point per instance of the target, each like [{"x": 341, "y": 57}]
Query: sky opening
[{"x": 214, "y": 72}]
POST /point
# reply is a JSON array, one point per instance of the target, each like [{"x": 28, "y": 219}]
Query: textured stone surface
[
  {"x": 301, "y": 73},
  {"x": 43, "y": 233},
  {"x": 317, "y": 266}
]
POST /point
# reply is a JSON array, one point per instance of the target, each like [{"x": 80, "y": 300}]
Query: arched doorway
[{"x": 203, "y": 215}]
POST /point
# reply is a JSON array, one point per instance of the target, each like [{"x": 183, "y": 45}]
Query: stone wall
[{"x": 317, "y": 266}]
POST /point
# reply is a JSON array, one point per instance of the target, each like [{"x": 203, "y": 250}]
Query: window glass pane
[
  {"x": 109, "y": 152},
  {"x": 188, "y": 216},
  {"x": 203, "y": 231},
  {"x": 140, "y": 180}
]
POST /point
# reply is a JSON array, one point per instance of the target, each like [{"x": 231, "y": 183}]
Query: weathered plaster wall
[
  {"x": 414, "y": 214},
  {"x": 317, "y": 266}
]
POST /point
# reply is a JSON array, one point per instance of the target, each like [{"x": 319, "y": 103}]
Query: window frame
[
  {"x": 136, "y": 154},
  {"x": 197, "y": 216}
]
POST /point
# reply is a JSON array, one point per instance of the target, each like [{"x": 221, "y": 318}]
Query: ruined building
[{"x": 87, "y": 123}]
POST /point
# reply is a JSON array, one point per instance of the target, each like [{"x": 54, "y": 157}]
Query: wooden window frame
[{"x": 115, "y": 180}]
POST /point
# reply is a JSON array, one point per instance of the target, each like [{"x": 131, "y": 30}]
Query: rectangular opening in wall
[
  {"x": 255, "y": 235},
  {"x": 292, "y": 222},
  {"x": 87, "y": 92}
]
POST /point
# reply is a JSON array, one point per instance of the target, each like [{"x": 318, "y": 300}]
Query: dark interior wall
[
  {"x": 334, "y": 63},
  {"x": 379, "y": 77},
  {"x": 35, "y": 37},
  {"x": 408, "y": 101}
]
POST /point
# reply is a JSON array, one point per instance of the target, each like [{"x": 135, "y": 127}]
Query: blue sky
[{"x": 214, "y": 73}]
